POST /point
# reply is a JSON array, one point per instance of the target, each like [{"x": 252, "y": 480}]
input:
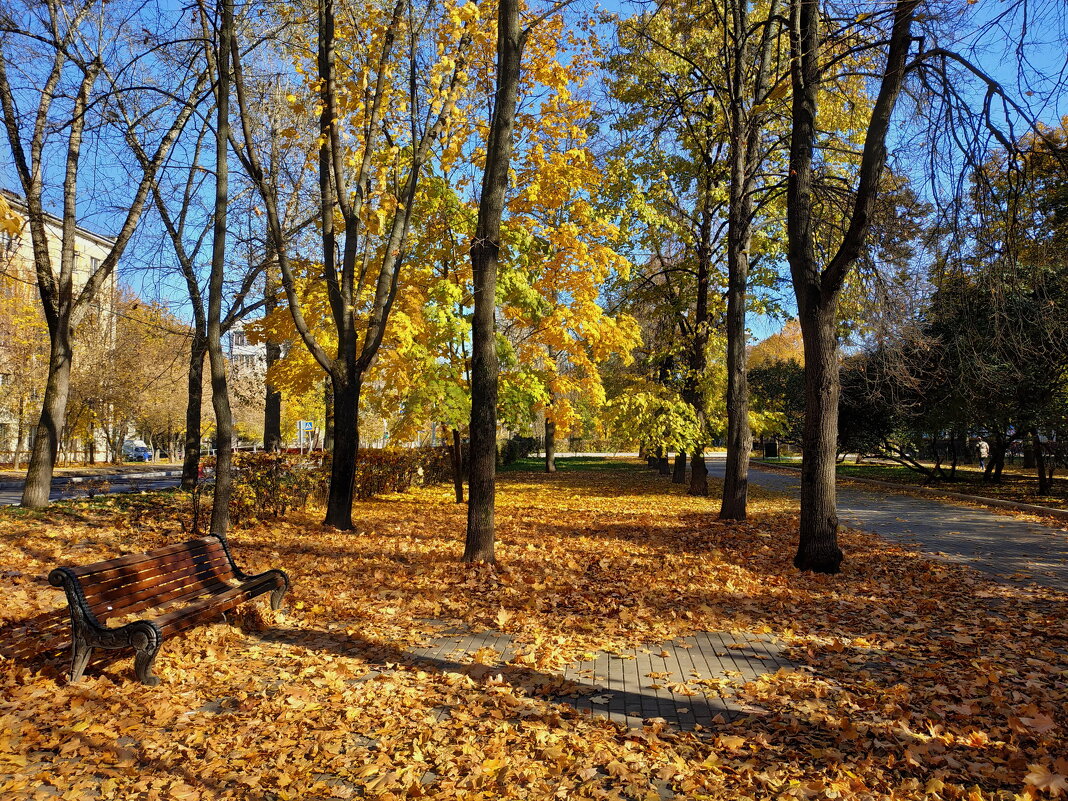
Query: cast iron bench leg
[
  {"x": 146, "y": 639},
  {"x": 80, "y": 652}
]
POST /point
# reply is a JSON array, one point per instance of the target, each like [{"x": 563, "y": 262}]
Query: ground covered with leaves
[{"x": 916, "y": 678}]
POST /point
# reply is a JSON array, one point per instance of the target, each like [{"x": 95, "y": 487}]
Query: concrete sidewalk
[{"x": 1009, "y": 548}]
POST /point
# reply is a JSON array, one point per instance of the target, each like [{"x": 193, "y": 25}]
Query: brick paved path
[
  {"x": 690, "y": 682},
  {"x": 1009, "y": 548}
]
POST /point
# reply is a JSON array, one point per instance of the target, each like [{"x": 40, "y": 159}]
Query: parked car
[{"x": 138, "y": 454}]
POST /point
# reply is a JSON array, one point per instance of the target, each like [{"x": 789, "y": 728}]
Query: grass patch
[{"x": 533, "y": 464}]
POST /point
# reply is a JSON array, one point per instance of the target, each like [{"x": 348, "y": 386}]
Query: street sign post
[{"x": 304, "y": 432}]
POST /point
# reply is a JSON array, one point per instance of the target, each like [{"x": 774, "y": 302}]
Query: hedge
[{"x": 267, "y": 485}]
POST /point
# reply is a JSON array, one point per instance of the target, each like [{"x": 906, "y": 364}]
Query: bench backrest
[{"x": 137, "y": 582}]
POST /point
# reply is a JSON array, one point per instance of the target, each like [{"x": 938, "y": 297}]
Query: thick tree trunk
[
  {"x": 698, "y": 474},
  {"x": 457, "y": 465},
  {"x": 482, "y": 452},
  {"x": 272, "y": 407},
  {"x": 194, "y": 404},
  {"x": 220, "y": 396},
  {"x": 739, "y": 228},
  {"x": 345, "y": 451},
  {"x": 816, "y": 290},
  {"x": 739, "y": 435},
  {"x": 817, "y": 548},
  {"x": 328, "y": 404},
  {"x": 485, "y": 254},
  {"x": 45, "y": 451},
  {"x": 663, "y": 463},
  {"x": 1029, "y": 462},
  {"x": 1045, "y": 472},
  {"x": 679, "y": 474},
  {"x": 550, "y": 446}
]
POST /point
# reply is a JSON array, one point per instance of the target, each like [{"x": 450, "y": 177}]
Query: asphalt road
[
  {"x": 64, "y": 488},
  {"x": 1008, "y": 547}
]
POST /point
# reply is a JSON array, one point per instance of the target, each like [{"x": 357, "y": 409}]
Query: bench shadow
[{"x": 623, "y": 706}]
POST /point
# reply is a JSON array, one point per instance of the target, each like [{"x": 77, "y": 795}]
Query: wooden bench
[{"x": 170, "y": 589}]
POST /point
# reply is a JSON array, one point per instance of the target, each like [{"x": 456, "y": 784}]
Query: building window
[{"x": 94, "y": 264}]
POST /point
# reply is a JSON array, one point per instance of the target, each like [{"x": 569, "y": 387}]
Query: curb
[
  {"x": 1045, "y": 511},
  {"x": 60, "y": 480}
]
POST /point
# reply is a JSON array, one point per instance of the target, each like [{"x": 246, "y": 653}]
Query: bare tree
[
  {"x": 70, "y": 68},
  {"x": 817, "y": 287}
]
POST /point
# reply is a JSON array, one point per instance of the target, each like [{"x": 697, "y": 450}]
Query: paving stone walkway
[
  {"x": 690, "y": 682},
  {"x": 1011, "y": 549}
]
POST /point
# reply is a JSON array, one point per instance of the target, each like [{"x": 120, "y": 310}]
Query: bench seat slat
[
  {"x": 172, "y": 561},
  {"x": 136, "y": 558},
  {"x": 214, "y": 570},
  {"x": 208, "y": 608},
  {"x": 172, "y": 596}
]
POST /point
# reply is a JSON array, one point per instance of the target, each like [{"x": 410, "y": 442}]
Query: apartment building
[{"x": 23, "y": 336}]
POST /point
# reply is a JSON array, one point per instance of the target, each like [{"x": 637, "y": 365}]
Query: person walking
[{"x": 982, "y": 448}]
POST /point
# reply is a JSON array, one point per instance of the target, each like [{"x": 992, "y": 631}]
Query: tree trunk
[
  {"x": 328, "y": 404},
  {"x": 816, "y": 289},
  {"x": 698, "y": 474},
  {"x": 194, "y": 404},
  {"x": 817, "y": 548},
  {"x": 485, "y": 254},
  {"x": 344, "y": 453},
  {"x": 954, "y": 455},
  {"x": 220, "y": 397},
  {"x": 550, "y": 445},
  {"x": 38, "y": 486},
  {"x": 457, "y": 465},
  {"x": 997, "y": 459},
  {"x": 1045, "y": 473},
  {"x": 272, "y": 407},
  {"x": 679, "y": 475},
  {"x": 663, "y": 463},
  {"x": 739, "y": 233},
  {"x": 16, "y": 457}
]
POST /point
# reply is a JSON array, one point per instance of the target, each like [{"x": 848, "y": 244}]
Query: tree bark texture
[
  {"x": 457, "y": 465},
  {"x": 345, "y": 451},
  {"x": 818, "y": 547},
  {"x": 38, "y": 486},
  {"x": 550, "y": 445},
  {"x": 485, "y": 255},
  {"x": 272, "y": 406},
  {"x": 194, "y": 400},
  {"x": 698, "y": 474},
  {"x": 220, "y": 396},
  {"x": 678, "y": 476},
  {"x": 328, "y": 406}
]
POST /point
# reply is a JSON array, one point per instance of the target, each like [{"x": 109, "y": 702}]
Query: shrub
[
  {"x": 382, "y": 470},
  {"x": 267, "y": 485},
  {"x": 517, "y": 448}
]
